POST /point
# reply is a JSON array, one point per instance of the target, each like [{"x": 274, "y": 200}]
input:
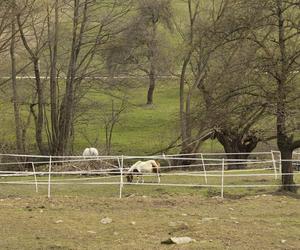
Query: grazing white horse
[
  {"x": 141, "y": 167},
  {"x": 90, "y": 152}
]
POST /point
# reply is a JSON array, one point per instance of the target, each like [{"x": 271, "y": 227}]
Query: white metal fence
[{"x": 209, "y": 169}]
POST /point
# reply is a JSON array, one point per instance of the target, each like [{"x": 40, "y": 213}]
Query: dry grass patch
[{"x": 142, "y": 222}]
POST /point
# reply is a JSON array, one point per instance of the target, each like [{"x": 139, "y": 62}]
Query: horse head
[{"x": 129, "y": 177}]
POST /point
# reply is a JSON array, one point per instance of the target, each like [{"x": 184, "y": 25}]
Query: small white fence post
[
  {"x": 274, "y": 164},
  {"x": 204, "y": 169},
  {"x": 121, "y": 176},
  {"x": 49, "y": 177},
  {"x": 280, "y": 165},
  {"x": 222, "y": 185},
  {"x": 35, "y": 179},
  {"x": 167, "y": 160}
]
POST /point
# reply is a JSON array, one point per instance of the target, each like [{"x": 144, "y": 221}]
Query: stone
[
  {"x": 106, "y": 220},
  {"x": 178, "y": 240},
  {"x": 91, "y": 232},
  {"x": 210, "y": 219},
  {"x": 172, "y": 224},
  {"x": 59, "y": 221}
]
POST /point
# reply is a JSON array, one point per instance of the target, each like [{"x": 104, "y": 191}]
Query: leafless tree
[
  {"x": 142, "y": 46},
  {"x": 277, "y": 34},
  {"x": 231, "y": 95},
  {"x": 46, "y": 41},
  {"x": 201, "y": 40},
  {"x": 110, "y": 119}
]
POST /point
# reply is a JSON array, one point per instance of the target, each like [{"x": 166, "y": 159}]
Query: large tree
[
  {"x": 233, "y": 107},
  {"x": 277, "y": 34}
]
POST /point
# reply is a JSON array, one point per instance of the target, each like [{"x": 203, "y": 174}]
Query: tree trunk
[
  {"x": 183, "y": 121},
  {"x": 152, "y": 59},
  {"x": 67, "y": 106},
  {"x": 39, "y": 117},
  {"x": 18, "y": 127},
  {"x": 152, "y": 81},
  {"x": 53, "y": 41},
  {"x": 39, "y": 121},
  {"x": 237, "y": 148},
  {"x": 287, "y": 170},
  {"x": 284, "y": 141}
]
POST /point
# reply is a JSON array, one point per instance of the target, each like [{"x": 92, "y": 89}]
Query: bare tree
[
  {"x": 141, "y": 46},
  {"x": 93, "y": 25},
  {"x": 16, "y": 101},
  {"x": 233, "y": 105},
  {"x": 20, "y": 126},
  {"x": 277, "y": 34},
  {"x": 201, "y": 39},
  {"x": 110, "y": 119},
  {"x": 35, "y": 48}
]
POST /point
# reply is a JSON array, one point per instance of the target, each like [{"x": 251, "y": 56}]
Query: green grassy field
[{"x": 142, "y": 129}]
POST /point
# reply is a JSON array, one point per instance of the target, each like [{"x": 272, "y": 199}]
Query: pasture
[
  {"x": 249, "y": 217},
  {"x": 71, "y": 219}
]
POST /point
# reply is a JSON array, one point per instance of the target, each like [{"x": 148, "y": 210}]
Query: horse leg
[
  {"x": 142, "y": 177},
  {"x": 137, "y": 175}
]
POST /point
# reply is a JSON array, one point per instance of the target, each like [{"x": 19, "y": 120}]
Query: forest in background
[{"x": 149, "y": 76}]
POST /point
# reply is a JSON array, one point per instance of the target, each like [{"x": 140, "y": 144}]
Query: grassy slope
[{"x": 141, "y": 130}]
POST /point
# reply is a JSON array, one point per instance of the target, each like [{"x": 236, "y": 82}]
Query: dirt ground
[{"x": 143, "y": 222}]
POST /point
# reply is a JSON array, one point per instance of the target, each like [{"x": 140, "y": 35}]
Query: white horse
[
  {"x": 141, "y": 167},
  {"x": 90, "y": 152}
]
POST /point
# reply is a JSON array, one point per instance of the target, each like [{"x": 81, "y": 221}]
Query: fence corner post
[
  {"x": 49, "y": 176},
  {"x": 35, "y": 179},
  {"x": 222, "y": 185},
  {"x": 204, "y": 168},
  {"x": 274, "y": 164},
  {"x": 121, "y": 176}
]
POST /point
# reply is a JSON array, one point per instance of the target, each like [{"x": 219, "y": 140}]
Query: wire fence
[{"x": 206, "y": 170}]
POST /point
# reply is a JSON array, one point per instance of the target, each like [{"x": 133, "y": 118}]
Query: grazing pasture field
[{"x": 146, "y": 215}]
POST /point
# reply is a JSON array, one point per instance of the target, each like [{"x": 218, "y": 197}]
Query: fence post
[
  {"x": 274, "y": 164},
  {"x": 222, "y": 185},
  {"x": 204, "y": 169},
  {"x": 121, "y": 177},
  {"x": 280, "y": 165},
  {"x": 35, "y": 179},
  {"x": 167, "y": 160},
  {"x": 49, "y": 177}
]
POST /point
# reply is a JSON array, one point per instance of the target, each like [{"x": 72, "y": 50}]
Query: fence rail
[{"x": 209, "y": 166}]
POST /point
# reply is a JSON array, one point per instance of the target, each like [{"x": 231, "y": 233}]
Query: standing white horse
[
  {"x": 141, "y": 167},
  {"x": 90, "y": 152}
]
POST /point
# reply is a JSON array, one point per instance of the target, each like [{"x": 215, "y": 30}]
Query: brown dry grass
[{"x": 252, "y": 222}]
